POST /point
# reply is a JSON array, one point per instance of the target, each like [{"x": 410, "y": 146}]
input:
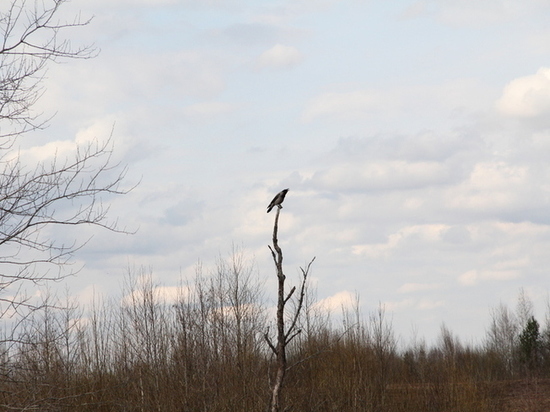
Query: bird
[{"x": 277, "y": 200}]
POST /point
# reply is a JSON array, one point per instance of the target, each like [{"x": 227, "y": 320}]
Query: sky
[{"x": 414, "y": 137}]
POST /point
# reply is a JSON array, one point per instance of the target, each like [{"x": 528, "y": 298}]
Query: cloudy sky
[{"x": 414, "y": 137}]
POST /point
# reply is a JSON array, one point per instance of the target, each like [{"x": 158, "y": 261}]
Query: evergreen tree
[{"x": 530, "y": 344}]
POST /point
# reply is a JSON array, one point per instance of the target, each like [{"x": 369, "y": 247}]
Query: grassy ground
[{"x": 527, "y": 395}]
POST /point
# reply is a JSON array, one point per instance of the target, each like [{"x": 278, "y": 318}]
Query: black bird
[{"x": 277, "y": 200}]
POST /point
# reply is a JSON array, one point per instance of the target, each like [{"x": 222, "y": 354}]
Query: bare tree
[
  {"x": 524, "y": 309},
  {"x": 384, "y": 346},
  {"x": 60, "y": 193},
  {"x": 284, "y": 334},
  {"x": 502, "y": 335},
  {"x": 30, "y": 37}
]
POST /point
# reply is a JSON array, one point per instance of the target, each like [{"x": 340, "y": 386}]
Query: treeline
[{"x": 204, "y": 349}]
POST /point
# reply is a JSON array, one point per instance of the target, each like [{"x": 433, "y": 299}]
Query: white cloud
[
  {"x": 381, "y": 175},
  {"x": 60, "y": 150},
  {"x": 423, "y": 103},
  {"x": 528, "y": 96},
  {"x": 340, "y": 301},
  {"x": 411, "y": 304},
  {"x": 280, "y": 56},
  {"x": 123, "y": 82},
  {"x": 473, "y": 277},
  {"x": 473, "y": 12},
  {"x": 400, "y": 305},
  {"x": 428, "y": 304},
  {"x": 156, "y": 3},
  {"x": 418, "y": 287},
  {"x": 379, "y": 250},
  {"x": 207, "y": 110},
  {"x": 414, "y": 10},
  {"x": 160, "y": 294},
  {"x": 346, "y": 105},
  {"x": 425, "y": 233},
  {"x": 491, "y": 186}
]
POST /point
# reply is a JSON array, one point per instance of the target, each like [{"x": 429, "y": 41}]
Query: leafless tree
[
  {"x": 62, "y": 192},
  {"x": 502, "y": 335},
  {"x": 30, "y": 37},
  {"x": 284, "y": 334},
  {"x": 524, "y": 309}
]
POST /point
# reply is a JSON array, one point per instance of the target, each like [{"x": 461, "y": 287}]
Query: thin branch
[{"x": 300, "y": 303}]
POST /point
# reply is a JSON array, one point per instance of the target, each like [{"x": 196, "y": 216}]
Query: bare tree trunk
[
  {"x": 283, "y": 337},
  {"x": 281, "y": 347}
]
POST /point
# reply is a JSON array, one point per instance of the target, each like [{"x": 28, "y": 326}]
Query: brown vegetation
[{"x": 205, "y": 351}]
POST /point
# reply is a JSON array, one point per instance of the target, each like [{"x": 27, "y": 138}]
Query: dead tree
[{"x": 284, "y": 334}]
